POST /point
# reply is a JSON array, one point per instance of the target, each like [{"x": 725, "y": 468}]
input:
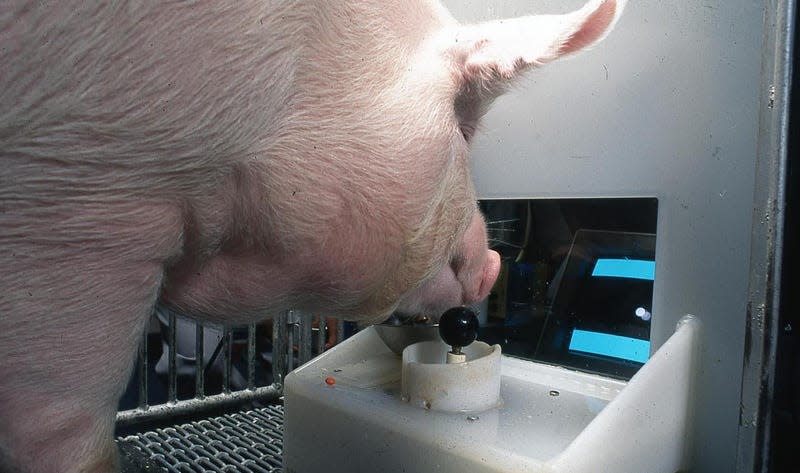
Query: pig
[{"x": 231, "y": 159}]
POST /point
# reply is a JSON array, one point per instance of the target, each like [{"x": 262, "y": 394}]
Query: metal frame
[
  {"x": 758, "y": 373},
  {"x": 290, "y": 329}
]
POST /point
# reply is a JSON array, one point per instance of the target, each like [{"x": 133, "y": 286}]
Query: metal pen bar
[
  {"x": 291, "y": 326},
  {"x": 322, "y": 334},
  {"x": 227, "y": 341},
  {"x": 199, "y": 357},
  {"x": 196, "y": 406},
  {"x": 279, "y": 346},
  {"x": 305, "y": 342},
  {"x": 172, "y": 387},
  {"x": 143, "y": 372},
  {"x": 251, "y": 356},
  {"x": 339, "y": 331}
]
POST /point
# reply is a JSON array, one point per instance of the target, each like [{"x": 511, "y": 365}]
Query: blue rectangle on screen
[
  {"x": 615, "y": 346},
  {"x": 625, "y": 268}
]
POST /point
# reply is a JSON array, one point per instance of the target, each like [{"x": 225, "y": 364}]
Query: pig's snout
[
  {"x": 476, "y": 283},
  {"x": 491, "y": 269},
  {"x": 466, "y": 280},
  {"x": 476, "y": 266}
]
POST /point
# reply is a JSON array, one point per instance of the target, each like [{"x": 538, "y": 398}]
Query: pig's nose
[{"x": 488, "y": 276}]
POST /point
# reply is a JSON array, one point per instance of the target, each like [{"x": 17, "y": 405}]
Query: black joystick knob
[{"x": 458, "y": 327}]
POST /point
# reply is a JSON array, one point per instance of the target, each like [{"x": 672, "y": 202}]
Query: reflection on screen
[
  {"x": 625, "y": 268},
  {"x": 601, "y": 313},
  {"x": 615, "y": 346},
  {"x": 605, "y": 344}
]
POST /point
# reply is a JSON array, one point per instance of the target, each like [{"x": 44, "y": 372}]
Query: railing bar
[
  {"x": 251, "y": 356},
  {"x": 279, "y": 346},
  {"x": 172, "y": 372},
  {"x": 226, "y": 359},
  {"x": 340, "y": 330},
  {"x": 306, "y": 320},
  {"x": 322, "y": 334},
  {"x": 143, "y": 372},
  {"x": 195, "y": 406},
  {"x": 290, "y": 343},
  {"x": 199, "y": 358}
]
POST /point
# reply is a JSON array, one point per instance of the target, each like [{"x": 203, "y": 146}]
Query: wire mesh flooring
[{"x": 247, "y": 442}]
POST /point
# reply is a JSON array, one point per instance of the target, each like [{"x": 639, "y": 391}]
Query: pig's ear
[{"x": 488, "y": 56}]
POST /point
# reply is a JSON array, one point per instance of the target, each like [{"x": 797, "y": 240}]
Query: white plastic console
[{"x": 344, "y": 412}]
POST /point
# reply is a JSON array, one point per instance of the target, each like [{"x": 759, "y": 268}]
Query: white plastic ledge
[{"x": 644, "y": 428}]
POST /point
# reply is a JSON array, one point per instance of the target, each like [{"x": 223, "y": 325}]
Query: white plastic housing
[
  {"x": 430, "y": 383},
  {"x": 551, "y": 419}
]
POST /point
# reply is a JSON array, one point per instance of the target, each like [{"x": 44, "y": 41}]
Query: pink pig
[{"x": 231, "y": 159}]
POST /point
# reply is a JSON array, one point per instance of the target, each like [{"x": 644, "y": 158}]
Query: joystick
[
  {"x": 455, "y": 374},
  {"x": 458, "y": 327}
]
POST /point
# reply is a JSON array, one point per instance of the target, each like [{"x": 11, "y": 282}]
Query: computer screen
[{"x": 600, "y": 317}]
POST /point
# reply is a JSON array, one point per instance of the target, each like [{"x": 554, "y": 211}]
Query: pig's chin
[
  {"x": 433, "y": 297},
  {"x": 429, "y": 311}
]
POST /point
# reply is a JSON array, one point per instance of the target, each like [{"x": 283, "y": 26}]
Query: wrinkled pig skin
[{"x": 231, "y": 159}]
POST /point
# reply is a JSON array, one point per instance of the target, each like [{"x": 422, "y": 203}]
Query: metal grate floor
[{"x": 247, "y": 442}]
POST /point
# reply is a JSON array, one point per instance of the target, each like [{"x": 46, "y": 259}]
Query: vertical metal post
[
  {"x": 305, "y": 341},
  {"x": 279, "y": 346},
  {"x": 172, "y": 375},
  {"x": 143, "y": 372},
  {"x": 251, "y": 356},
  {"x": 762, "y": 327},
  {"x": 290, "y": 329},
  {"x": 199, "y": 358},
  {"x": 227, "y": 341},
  {"x": 322, "y": 334},
  {"x": 339, "y": 331}
]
